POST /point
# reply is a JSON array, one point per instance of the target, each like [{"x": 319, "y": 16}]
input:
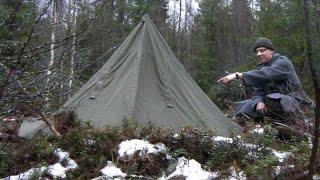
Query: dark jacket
[{"x": 276, "y": 76}]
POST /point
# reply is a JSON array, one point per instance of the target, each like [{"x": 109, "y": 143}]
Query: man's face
[{"x": 263, "y": 54}]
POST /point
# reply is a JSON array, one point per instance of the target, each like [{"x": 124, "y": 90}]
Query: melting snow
[
  {"x": 237, "y": 176},
  {"x": 176, "y": 135},
  {"x": 191, "y": 169},
  {"x": 222, "y": 139},
  {"x": 56, "y": 170},
  {"x": 9, "y": 119},
  {"x": 280, "y": 155},
  {"x": 278, "y": 169},
  {"x": 258, "y": 129},
  {"x": 129, "y": 147},
  {"x": 27, "y": 174},
  {"x": 111, "y": 171}
]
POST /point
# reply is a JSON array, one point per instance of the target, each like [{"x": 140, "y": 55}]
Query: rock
[{"x": 31, "y": 127}]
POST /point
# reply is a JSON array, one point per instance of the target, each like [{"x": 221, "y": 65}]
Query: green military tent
[{"x": 144, "y": 81}]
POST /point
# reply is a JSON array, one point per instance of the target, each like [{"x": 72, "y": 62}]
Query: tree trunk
[
  {"x": 174, "y": 26},
  {"x": 315, "y": 78},
  {"x": 187, "y": 34},
  {"x": 54, "y": 16},
  {"x": 185, "y": 28},
  {"x": 73, "y": 48},
  {"x": 317, "y": 13},
  {"x": 179, "y": 29}
]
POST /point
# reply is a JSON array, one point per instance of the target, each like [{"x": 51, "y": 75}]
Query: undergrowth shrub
[
  {"x": 265, "y": 139},
  {"x": 2, "y": 159},
  {"x": 302, "y": 150},
  {"x": 148, "y": 165},
  {"x": 225, "y": 96},
  {"x": 129, "y": 129},
  {"x": 262, "y": 166},
  {"x": 260, "y": 160},
  {"x": 222, "y": 155},
  {"x": 90, "y": 148},
  {"x": 190, "y": 143},
  {"x": 147, "y": 130},
  {"x": 19, "y": 157}
]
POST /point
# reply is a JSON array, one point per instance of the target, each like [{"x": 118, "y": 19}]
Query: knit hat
[{"x": 263, "y": 42}]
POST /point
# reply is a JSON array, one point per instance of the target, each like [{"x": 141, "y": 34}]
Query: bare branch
[
  {"x": 12, "y": 14},
  {"x": 32, "y": 30}
]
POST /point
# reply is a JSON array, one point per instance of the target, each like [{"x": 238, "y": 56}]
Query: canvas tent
[{"x": 144, "y": 81}]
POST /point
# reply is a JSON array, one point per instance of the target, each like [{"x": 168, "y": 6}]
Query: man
[{"x": 276, "y": 86}]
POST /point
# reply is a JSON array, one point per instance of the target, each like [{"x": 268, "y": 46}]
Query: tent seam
[{"x": 137, "y": 66}]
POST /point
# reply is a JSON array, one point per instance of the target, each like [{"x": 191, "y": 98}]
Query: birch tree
[
  {"x": 179, "y": 29},
  {"x": 73, "y": 45},
  {"x": 56, "y": 14}
]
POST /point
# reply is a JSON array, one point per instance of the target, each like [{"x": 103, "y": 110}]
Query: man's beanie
[{"x": 263, "y": 42}]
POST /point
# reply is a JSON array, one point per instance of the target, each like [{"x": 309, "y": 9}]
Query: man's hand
[
  {"x": 261, "y": 107},
  {"x": 229, "y": 78}
]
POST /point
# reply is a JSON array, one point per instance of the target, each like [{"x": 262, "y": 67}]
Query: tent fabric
[{"x": 144, "y": 81}]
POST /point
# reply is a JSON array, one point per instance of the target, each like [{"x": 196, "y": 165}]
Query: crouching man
[{"x": 276, "y": 87}]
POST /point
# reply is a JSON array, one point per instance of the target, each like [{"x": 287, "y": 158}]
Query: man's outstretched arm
[{"x": 230, "y": 77}]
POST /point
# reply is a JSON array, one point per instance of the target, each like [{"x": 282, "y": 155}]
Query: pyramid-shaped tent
[{"x": 144, "y": 81}]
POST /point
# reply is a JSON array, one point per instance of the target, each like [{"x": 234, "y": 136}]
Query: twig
[{"x": 49, "y": 124}]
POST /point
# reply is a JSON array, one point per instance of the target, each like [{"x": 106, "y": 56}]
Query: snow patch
[
  {"x": 222, "y": 139},
  {"x": 280, "y": 155},
  {"x": 111, "y": 171},
  {"x": 56, "y": 171},
  {"x": 236, "y": 176},
  {"x": 191, "y": 170},
  {"x": 129, "y": 147},
  {"x": 9, "y": 119},
  {"x": 176, "y": 135},
  {"x": 28, "y": 174},
  {"x": 258, "y": 129},
  {"x": 278, "y": 169}
]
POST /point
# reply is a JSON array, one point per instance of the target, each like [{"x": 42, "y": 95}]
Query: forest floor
[{"x": 124, "y": 152}]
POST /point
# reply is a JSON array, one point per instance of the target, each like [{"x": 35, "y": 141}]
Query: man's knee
[
  {"x": 244, "y": 107},
  {"x": 275, "y": 109}
]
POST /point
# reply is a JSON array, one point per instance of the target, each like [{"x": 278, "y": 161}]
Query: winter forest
[{"x": 50, "y": 48}]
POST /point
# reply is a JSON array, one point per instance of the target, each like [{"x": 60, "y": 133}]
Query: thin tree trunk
[
  {"x": 68, "y": 47},
  {"x": 174, "y": 24},
  {"x": 73, "y": 49},
  {"x": 54, "y": 16},
  {"x": 57, "y": 14},
  {"x": 317, "y": 13},
  {"x": 179, "y": 29},
  {"x": 315, "y": 78},
  {"x": 186, "y": 5},
  {"x": 187, "y": 34},
  {"x": 252, "y": 14}
]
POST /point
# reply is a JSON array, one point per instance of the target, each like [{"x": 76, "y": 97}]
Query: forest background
[{"x": 49, "y": 48}]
